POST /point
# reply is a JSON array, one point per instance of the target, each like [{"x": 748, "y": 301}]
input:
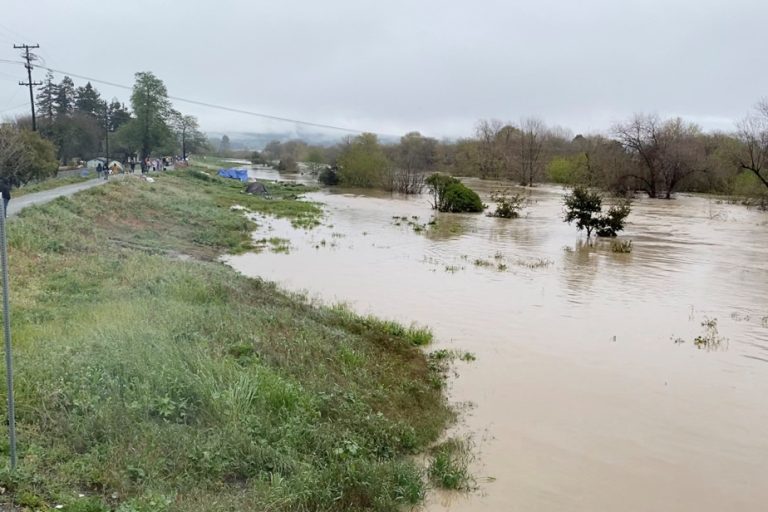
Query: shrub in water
[{"x": 507, "y": 206}]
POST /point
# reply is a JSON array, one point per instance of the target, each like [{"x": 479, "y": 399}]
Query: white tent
[{"x": 92, "y": 164}]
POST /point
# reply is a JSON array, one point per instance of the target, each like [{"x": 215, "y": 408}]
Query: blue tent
[{"x": 235, "y": 174}]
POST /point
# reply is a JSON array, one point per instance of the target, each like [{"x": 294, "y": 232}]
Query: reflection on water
[{"x": 583, "y": 401}]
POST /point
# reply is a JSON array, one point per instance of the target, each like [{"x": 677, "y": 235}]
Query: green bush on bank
[{"x": 180, "y": 383}]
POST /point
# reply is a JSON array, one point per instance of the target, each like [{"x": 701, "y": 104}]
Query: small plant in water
[
  {"x": 508, "y": 206},
  {"x": 621, "y": 246},
  {"x": 711, "y": 339},
  {"x": 482, "y": 263},
  {"x": 449, "y": 467}
]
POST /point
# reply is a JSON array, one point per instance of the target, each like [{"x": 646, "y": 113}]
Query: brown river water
[{"x": 588, "y": 392}]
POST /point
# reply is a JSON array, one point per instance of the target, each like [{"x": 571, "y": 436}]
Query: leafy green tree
[
  {"x": 46, "y": 99},
  {"x": 315, "y": 159},
  {"x": 149, "y": 129},
  {"x": 585, "y": 208},
  {"x": 118, "y": 115},
  {"x": 65, "y": 97},
  {"x": 188, "y": 134},
  {"x": 362, "y": 162},
  {"x": 25, "y": 156},
  {"x": 450, "y": 195},
  {"x": 438, "y": 184},
  {"x": 88, "y": 101},
  {"x": 225, "y": 146},
  {"x": 460, "y": 198}
]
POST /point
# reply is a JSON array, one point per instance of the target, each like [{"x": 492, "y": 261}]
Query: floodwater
[{"x": 588, "y": 392}]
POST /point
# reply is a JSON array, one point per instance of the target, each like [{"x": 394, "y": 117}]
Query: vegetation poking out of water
[
  {"x": 149, "y": 382},
  {"x": 534, "y": 263},
  {"x": 412, "y": 222},
  {"x": 449, "y": 467},
  {"x": 585, "y": 208},
  {"x": 508, "y": 205},
  {"x": 621, "y": 246},
  {"x": 710, "y": 339}
]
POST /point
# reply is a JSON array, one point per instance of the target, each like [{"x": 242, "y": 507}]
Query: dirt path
[{"x": 17, "y": 204}]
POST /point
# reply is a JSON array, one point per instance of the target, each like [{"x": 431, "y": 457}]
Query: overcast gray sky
[{"x": 395, "y": 66}]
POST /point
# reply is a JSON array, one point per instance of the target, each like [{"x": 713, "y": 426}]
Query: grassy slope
[{"x": 181, "y": 385}]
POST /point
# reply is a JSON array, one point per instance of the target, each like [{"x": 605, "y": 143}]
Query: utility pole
[
  {"x": 29, "y": 57},
  {"x": 107, "y": 127}
]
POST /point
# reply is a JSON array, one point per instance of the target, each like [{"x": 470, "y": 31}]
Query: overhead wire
[
  {"x": 206, "y": 104},
  {"x": 215, "y": 106}
]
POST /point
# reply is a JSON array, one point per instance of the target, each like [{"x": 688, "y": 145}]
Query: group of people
[
  {"x": 146, "y": 165},
  {"x": 104, "y": 171}
]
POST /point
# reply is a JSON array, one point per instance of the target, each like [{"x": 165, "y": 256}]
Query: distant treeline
[{"x": 644, "y": 153}]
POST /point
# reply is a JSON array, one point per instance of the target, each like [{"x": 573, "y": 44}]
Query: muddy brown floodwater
[{"x": 588, "y": 392}]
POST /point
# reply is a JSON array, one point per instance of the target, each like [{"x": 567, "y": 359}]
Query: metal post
[{"x": 7, "y": 332}]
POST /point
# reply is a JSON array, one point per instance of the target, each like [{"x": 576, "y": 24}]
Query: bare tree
[
  {"x": 489, "y": 158},
  {"x": 414, "y": 156},
  {"x": 753, "y": 135},
  {"x": 664, "y": 153},
  {"x": 531, "y": 150}
]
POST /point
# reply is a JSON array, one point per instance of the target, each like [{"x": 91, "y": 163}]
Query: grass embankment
[{"x": 149, "y": 382}]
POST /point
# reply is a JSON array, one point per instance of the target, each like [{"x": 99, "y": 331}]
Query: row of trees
[
  {"x": 644, "y": 153},
  {"x": 82, "y": 125}
]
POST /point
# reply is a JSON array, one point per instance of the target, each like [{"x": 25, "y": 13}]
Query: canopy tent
[
  {"x": 118, "y": 164},
  {"x": 92, "y": 164},
  {"x": 235, "y": 174}
]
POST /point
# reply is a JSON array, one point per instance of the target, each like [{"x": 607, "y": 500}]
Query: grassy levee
[{"x": 148, "y": 381}]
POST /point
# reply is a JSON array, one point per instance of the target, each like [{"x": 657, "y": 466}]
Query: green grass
[
  {"x": 151, "y": 382},
  {"x": 449, "y": 466},
  {"x": 49, "y": 184}
]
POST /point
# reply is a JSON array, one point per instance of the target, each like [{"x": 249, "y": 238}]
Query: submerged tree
[
  {"x": 585, "y": 208},
  {"x": 451, "y": 195}
]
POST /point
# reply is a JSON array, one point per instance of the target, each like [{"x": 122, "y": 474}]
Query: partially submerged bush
[
  {"x": 585, "y": 207},
  {"x": 450, "y": 195},
  {"x": 329, "y": 177},
  {"x": 508, "y": 206}
]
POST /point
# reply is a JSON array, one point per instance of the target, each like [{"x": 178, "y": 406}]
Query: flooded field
[{"x": 589, "y": 392}]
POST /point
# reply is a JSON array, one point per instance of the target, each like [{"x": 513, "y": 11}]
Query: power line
[
  {"x": 208, "y": 105},
  {"x": 214, "y": 106},
  {"x": 29, "y": 58},
  {"x": 13, "y": 108}
]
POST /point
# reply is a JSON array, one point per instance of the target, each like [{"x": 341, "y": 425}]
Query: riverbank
[{"x": 151, "y": 377}]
